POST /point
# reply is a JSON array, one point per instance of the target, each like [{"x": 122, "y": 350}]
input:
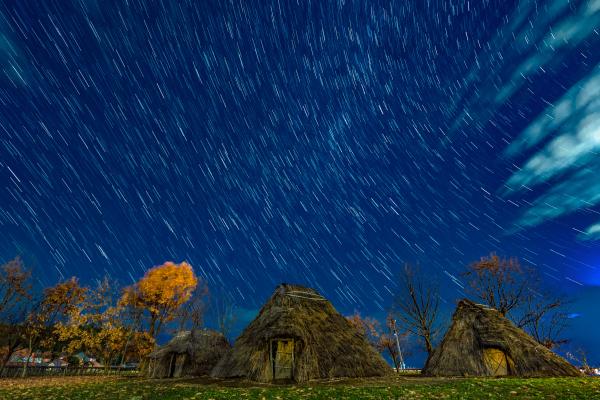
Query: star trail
[{"x": 316, "y": 142}]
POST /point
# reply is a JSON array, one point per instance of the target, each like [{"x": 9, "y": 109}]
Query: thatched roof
[
  {"x": 203, "y": 349},
  {"x": 478, "y": 331},
  {"x": 326, "y": 345}
]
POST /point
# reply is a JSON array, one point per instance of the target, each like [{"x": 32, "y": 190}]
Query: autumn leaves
[
  {"x": 161, "y": 292},
  {"x": 110, "y": 324}
]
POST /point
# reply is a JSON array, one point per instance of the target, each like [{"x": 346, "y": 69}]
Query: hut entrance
[
  {"x": 171, "y": 366},
  {"x": 179, "y": 364},
  {"x": 282, "y": 358},
  {"x": 496, "y": 361}
]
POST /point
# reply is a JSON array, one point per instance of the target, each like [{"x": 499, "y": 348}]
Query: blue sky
[{"x": 323, "y": 143}]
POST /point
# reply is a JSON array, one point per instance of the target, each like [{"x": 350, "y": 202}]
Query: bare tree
[
  {"x": 226, "y": 315},
  {"x": 545, "y": 319},
  {"x": 15, "y": 287},
  {"x": 498, "y": 282},
  {"x": 416, "y": 307},
  {"x": 191, "y": 314},
  {"x": 580, "y": 357},
  {"x": 503, "y": 284}
]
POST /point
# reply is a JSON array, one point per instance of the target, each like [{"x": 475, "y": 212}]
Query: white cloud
[
  {"x": 570, "y": 159},
  {"x": 592, "y": 233}
]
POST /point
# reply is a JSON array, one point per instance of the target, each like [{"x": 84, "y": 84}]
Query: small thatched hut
[
  {"x": 299, "y": 336},
  {"x": 189, "y": 353},
  {"x": 481, "y": 342}
]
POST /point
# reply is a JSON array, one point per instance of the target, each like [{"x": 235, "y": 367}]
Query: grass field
[{"x": 88, "y": 388}]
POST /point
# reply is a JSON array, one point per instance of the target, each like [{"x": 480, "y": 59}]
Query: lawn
[{"x": 89, "y": 388}]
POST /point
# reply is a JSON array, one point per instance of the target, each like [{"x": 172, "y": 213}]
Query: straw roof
[
  {"x": 202, "y": 350},
  {"x": 325, "y": 344},
  {"x": 481, "y": 342}
]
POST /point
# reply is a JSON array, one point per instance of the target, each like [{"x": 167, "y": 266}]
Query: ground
[{"x": 405, "y": 387}]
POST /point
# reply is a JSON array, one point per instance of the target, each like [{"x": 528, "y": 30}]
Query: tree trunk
[
  {"x": 394, "y": 359},
  {"x": 428, "y": 345},
  {"x": 24, "y": 373},
  {"x": 6, "y": 359}
]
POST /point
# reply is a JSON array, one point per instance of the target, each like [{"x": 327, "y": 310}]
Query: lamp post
[{"x": 398, "y": 344}]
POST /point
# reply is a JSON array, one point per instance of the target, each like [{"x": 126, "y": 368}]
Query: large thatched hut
[
  {"x": 299, "y": 336},
  {"x": 189, "y": 353},
  {"x": 481, "y": 342}
]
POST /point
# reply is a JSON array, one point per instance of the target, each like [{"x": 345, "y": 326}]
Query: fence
[{"x": 16, "y": 371}]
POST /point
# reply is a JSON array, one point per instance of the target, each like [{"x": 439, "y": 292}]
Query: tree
[
  {"x": 11, "y": 339},
  {"x": 15, "y": 301},
  {"x": 580, "y": 357},
  {"x": 383, "y": 342},
  {"x": 368, "y": 327},
  {"x": 416, "y": 308},
  {"x": 498, "y": 282},
  {"x": 140, "y": 345},
  {"x": 392, "y": 344},
  {"x": 191, "y": 313},
  {"x": 503, "y": 284},
  {"x": 226, "y": 315},
  {"x": 131, "y": 312},
  {"x": 96, "y": 328},
  {"x": 59, "y": 304},
  {"x": 15, "y": 287},
  {"x": 545, "y": 319},
  {"x": 161, "y": 292}
]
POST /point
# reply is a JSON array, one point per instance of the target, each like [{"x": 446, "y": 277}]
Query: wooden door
[
  {"x": 180, "y": 360},
  {"x": 283, "y": 359},
  {"x": 496, "y": 362}
]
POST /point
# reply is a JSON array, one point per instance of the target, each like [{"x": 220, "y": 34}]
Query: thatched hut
[
  {"x": 189, "y": 353},
  {"x": 298, "y": 336},
  {"x": 481, "y": 342}
]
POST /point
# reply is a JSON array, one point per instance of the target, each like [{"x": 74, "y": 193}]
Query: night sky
[{"x": 323, "y": 143}]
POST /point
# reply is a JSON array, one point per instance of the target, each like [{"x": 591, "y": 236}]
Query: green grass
[{"x": 392, "y": 388}]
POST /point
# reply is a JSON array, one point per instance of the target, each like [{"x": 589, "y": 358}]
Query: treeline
[
  {"x": 413, "y": 319},
  {"x": 119, "y": 325},
  {"x": 112, "y": 324}
]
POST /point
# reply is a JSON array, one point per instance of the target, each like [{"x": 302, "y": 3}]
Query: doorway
[
  {"x": 496, "y": 362},
  {"x": 282, "y": 358}
]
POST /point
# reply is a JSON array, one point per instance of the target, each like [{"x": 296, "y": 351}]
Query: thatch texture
[
  {"x": 481, "y": 342},
  {"x": 189, "y": 353},
  {"x": 325, "y": 345}
]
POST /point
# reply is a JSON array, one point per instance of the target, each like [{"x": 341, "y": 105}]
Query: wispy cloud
[
  {"x": 562, "y": 145},
  {"x": 593, "y": 232},
  {"x": 570, "y": 158},
  {"x": 11, "y": 59},
  {"x": 579, "y": 190},
  {"x": 537, "y": 37},
  {"x": 545, "y": 39},
  {"x": 574, "y": 122}
]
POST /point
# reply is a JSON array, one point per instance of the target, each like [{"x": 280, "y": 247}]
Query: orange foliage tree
[
  {"x": 161, "y": 292},
  {"x": 59, "y": 305},
  {"x": 382, "y": 340}
]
